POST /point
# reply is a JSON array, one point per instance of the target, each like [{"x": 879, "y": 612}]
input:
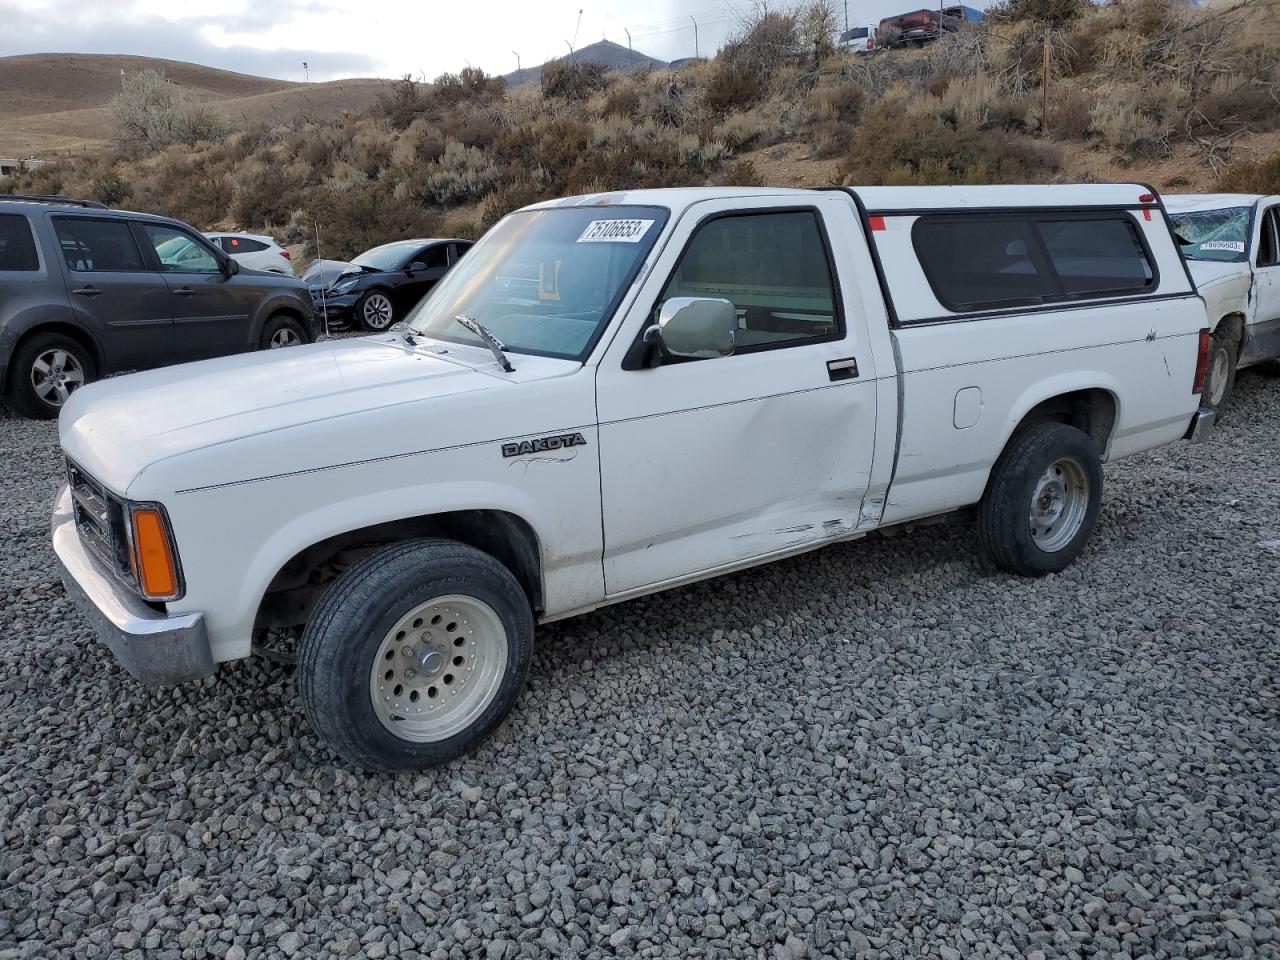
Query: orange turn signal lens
[{"x": 153, "y": 559}]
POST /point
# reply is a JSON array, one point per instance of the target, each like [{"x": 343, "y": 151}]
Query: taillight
[
  {"x": 1202, "y": 362},
  {"x": 285, "y": 254}
]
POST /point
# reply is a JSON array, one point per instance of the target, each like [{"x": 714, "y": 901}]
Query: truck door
[
  {"x": 1263, "y": 340},
  {"x": 710, "y": 464}
]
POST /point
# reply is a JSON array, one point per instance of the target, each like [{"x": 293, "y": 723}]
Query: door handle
[
  {"x": 184, "y": 291},
  {"x": 87, "y": 291},
  {"x": 846, "y": 369}
]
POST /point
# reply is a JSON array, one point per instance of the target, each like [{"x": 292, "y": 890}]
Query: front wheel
[
  {"x": 1042, "y": 500},
  {"x": 375, "y": 310},
  {"x": 415, "y": 655},
  {"x": 1221, "y": 378}
]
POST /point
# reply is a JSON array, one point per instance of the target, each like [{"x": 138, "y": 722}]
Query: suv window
[
  {"x": 97, "y": 245},
  {"x": 241, "y": 245},
  {"x": 775, "y": 270},
  {"x": 17, "y": 245},
  {"x": 989, "y": 262},
  {"x": 179, "y": 252}
]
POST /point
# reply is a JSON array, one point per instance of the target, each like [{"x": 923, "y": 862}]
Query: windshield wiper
[{"x": 495, "y": 345}]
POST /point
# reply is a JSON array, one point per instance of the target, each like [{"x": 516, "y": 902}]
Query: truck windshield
[
  {"x": 1221, "y": 235},
  {"x": 543, "y": 281}
]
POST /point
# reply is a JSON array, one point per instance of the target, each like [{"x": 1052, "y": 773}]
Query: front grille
[{"x": 100, "y": 521}]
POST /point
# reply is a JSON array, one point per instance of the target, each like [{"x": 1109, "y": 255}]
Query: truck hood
[
  {"x": 1206, "y": 272},
  {"x": 116, "y": 428}
]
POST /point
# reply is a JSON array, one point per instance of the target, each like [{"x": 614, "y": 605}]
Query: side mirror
[
  {"x": 415, "y": 267},
  {"x": 699, "y": 327},
  {"x": 230, "y": 267}
]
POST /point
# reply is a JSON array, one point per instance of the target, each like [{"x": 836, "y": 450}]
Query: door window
[
  {"x": 97, "y": 245},
  {"x": 773, "y": 268},
  {"x": 1269, "y": 242},
  {"x": 432, "y": 257},
  {"x": 17, "y": 246},
  {"x": 179, "y": 252}
]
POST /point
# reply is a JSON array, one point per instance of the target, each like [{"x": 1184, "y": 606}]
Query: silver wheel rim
[
  {"x": 55, "y": 375},
  {"x": 1218, "y": 376},
  {"x": 1059, "y": 504},
  {"x": 377, "y": 311},
  {"x": 438, "y": 668},
  {"x": 284, "y": 337}
]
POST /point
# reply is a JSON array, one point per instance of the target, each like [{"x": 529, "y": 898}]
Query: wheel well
[
  {"x": 1093, "y": 411},
  {"x": 299, "y": 583},
  {"x": 78, "y": 334},
  {"x": 1233, "y": 322}
]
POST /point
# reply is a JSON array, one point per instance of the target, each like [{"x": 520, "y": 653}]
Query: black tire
[
  {"x": 1005, "y": 512},
  {"x": 367, "y": 323},
  {"x": 1223, "y": 356},
  {"x": 355, "y": 615},
  {"x": 282, "y": 326},
  {"x": 21, "y": 392}
]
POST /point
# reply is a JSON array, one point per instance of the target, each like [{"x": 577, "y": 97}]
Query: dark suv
[{"x": 86, "y": 291}]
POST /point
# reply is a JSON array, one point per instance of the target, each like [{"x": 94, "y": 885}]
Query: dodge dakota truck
[
  {"x": 1232, "y": 245},
  {"x": 692, "y": 382}
]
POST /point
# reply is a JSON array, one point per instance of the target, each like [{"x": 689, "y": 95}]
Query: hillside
[
  {"x": 55, "y": 103},
  {"x": 613, "y": 55},
  {"x": 1187, "y": 99}
]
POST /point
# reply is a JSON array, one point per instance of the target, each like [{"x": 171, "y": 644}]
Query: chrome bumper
[
  {"x": 1201, "y": 426},
  {"x": 159, "y": 649}
]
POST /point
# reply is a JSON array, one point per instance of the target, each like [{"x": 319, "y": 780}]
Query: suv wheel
[
  {"x": 375, "y": 311},
  {"x": 281, "y": 331},
  {"x": 414, "y": 655},
  {"x": 1042, "y": 500},
  {"x": 45, "y": 370}
]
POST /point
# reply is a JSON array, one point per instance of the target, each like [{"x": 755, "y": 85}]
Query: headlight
[{"x": 345, "y": 286}]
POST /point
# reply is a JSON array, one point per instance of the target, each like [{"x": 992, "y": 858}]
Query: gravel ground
[{"x": 883, "y": 749}]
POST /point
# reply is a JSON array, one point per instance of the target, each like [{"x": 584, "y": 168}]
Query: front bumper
[
  {"x": 1201, "y": 427},
  {"x": 160, "y": 649},
  {"x": 335, "y": 309}
]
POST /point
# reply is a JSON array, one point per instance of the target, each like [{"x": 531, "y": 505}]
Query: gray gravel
[{"x": 884, "y": 749}]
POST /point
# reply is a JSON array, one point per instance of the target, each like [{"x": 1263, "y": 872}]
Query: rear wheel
[
  {"x": 45, "y": 370},
  {"x": 1221, "y": 377},
  {"x": 281, "y": 330},
  {"x": 415, "y": 655},
  {"x": 1042, "y": 500},
  {"x": 375, "y": 310}
]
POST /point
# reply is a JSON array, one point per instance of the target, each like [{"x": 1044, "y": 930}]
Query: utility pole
[
  {"x": 628, "y": 33},
  {"x": 846, "y": 19},
  {"x": 1044, "y": 87},
  {"x": 517, "y": 61},
  {"x": 696, "y": 54},
  {"x": 306, "y": 73}
]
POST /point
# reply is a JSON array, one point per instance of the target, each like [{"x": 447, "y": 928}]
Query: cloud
[{"x": 51, "y": 31}]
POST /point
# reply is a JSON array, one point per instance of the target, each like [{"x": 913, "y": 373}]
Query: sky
[{"x": 381, "y": 38}]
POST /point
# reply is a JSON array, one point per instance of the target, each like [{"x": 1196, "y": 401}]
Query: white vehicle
[
  {"x": 1232, "y": 245},
  {"x": 701, "y": 380},
  {"x": 255, "y": 251},
  {"x": 860, "y": 39}
]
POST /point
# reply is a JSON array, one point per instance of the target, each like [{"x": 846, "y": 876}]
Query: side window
[
  {"x": 1269, "y": 242},
  {"x": 179, "y": 252},
  {"x": 244, "y": 245},
  {"x": 17, "y": 245},
  {"x": 437, "y": 256},
  {"x": 775, "y": 270},
  {"x": 977, "y": 262},
  {"x": 97, "y": 245},
  {"x": 1096, "y": 256}
]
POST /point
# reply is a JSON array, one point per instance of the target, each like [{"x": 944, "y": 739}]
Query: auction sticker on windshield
[
  {"x": 615, "y": 231},
  {"x": 1235, "y": 246}
]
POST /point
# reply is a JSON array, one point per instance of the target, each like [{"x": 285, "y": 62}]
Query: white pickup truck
[
  {"x": 1232, "y": 245},
  {"x": 613, "y": 395}
]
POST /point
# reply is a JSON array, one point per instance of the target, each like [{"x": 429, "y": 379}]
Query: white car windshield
[
  {"x": 543, "y": 281},
  {"x": 1221, "y": 235}
]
